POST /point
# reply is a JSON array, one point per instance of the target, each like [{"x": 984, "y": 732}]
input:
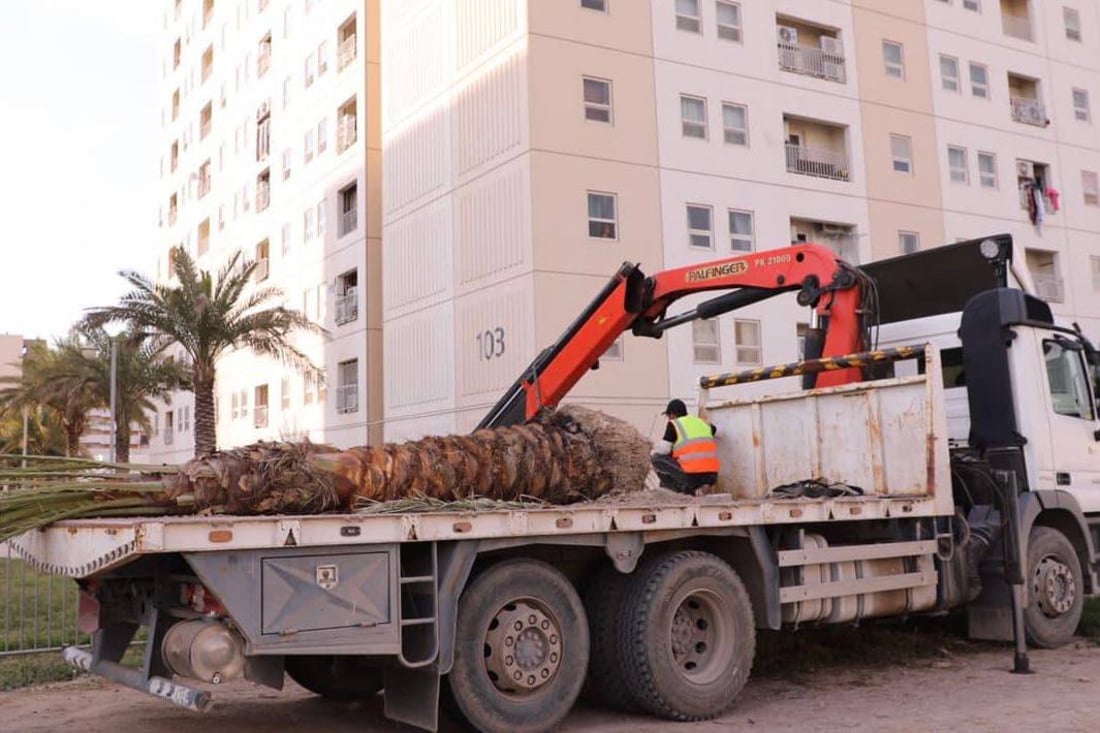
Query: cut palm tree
[{"x": 572, "y": 454}]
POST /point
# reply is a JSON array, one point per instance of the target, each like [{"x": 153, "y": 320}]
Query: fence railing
[
  {"x": 346, "y": 54},
  {"x": 348, "y": 221},
  {"x": 1029, "y": 111},
  {"x": 811, "y": 61},
  {"x": 39, "y": 610},
  {"x": 817, "y": 162},
  {"x": 347, "y": 398},
  {"x": 347, "y": 307}
]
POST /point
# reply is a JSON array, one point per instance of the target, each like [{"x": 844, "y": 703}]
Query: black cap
[{"x": 676, "y": 408}]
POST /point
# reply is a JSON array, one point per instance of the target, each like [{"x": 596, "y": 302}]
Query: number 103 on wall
[{"x": 490, "y": 344}]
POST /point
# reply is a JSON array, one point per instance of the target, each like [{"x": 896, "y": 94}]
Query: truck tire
[
  {"x": 603, "y": 602},
  {"x": 687, "y": 636},
  {"x": 1055, "y": 589},
  {"x": 335, "y": 676},
  {"x": 521, "y": 648}
]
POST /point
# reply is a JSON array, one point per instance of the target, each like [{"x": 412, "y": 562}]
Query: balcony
[
  {"x": 1049, "y": 287},
  {"x": 259, "y": 416},
  {"x": 347, "y": 398},
  {"x": 347, "y": 307},
  {"x": 1028, "y": 111},
  {"x": 817, "y": 162},
  {"x": 1016, "y": 27},
  {"x": 810, "y": 50},
  {"x": 263, "y": 195},
  {"x": 346, "y": 53},
  {"x": 349, "y": 220},
  {"x": 172, "y": 215},
  {"x": 204, "y": 184},
  {"x": 262, "y": 270},
  {"x": 345, "y": 133}
]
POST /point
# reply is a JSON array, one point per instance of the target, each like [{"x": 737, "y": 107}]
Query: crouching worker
[{"x": 686, "y": 459}]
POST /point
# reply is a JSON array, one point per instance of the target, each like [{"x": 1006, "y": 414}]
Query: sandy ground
[{"x": 969, "y": 692}]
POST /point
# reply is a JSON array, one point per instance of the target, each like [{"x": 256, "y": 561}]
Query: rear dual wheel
[{"x": 521, "y": 648}]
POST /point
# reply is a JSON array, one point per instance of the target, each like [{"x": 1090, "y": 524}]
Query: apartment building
[
  {"x": 532, "y": 146},
  {"x": 271, "y": 149}
]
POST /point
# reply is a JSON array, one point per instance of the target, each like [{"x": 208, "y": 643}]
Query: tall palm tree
[
  {"x": 45, "y": 384},
  {"x": 46, "y": 435},
  {"x": 142, "y": 375},
  {"x": 207, "y": 317}
]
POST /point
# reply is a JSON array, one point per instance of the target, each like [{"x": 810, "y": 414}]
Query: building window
[
  {"x": 987, "y": 170},
  {"x": 909, "y": 242},
  {"x": 347, "y": 386},
  {"x": 309, "y": 71},
  {"x": 285, "y": 236},
  {"x": 1094, "y": 263},
  {"x": 1072, "y": 19},
  {"x": 244, "y": 403},
  {"x": 1090, "y": 185},
  {"x": 1081, "y": 105},
  {"x": 957, "y": 164},
  {"x": 742, "y": 232},
  {"x": 597, "y": 99},
  {"x": 287, "y": 155},
  {"x": 600, "y": 5},
  {"x": 746, "y": 342},
  {"x": 973, "y": 5},
  {"x": 949, "y": 73},
  {"x": 286, "y": 92},
  {"x": 307, "y": 154},
  {"x": 729, "y": 20},
  {"x": 322, "y": 57},
  {"x": 307, "y": 225},
  {"x": 259, "y": 416},
  {"x": 284, "y": 393},
  {"x": 322, "y": 135},
  {"x": 735, "y": 123},
  {"x": 346, "y": 120},
  {"x": 893, "y": 55},
  {"x": 704, "y": 342},
  {"x": 346, "y": 49},
  {"x": 699, "y": 226},
  {"x": 979, "y": 80},
  {"x": 614, "y": 351},
  {"x": 348, "y": 197},
  {"x": 322, "y": 217},
  {"x": 602, "y": 223},
  {"x": 687, "y": 16},
  {"x": 693, "y": 116},
  {"x": 347, "y": 297},
  {"x": 901, "y": 152}
]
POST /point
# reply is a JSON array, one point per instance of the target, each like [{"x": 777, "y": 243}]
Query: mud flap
[{"x": 412, "y": 696}]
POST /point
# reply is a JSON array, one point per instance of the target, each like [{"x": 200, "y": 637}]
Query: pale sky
[{"x": 79, "y": 132}]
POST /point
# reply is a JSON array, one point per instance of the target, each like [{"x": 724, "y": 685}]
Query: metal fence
[{"x": 39, "y": 610}]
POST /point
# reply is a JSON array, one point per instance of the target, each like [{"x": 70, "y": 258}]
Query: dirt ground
[{"x": 952, "y": 692}]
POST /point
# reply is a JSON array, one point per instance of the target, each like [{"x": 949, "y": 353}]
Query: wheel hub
[
  {"x": 1054, "y": 587},
  {"x": 693, "y": 636},
  {"x": 523, "y": 647}
]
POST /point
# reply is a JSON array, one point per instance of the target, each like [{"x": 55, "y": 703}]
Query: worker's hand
[{"x": 703, "y": 412}]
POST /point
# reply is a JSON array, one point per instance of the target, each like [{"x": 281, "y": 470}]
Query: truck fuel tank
[{"x": 206, "y": 650}]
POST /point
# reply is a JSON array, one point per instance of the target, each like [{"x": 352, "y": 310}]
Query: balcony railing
[
  {"x": 263, "y": 268},
  {"x": 811, "y": 61},
  {"x": 263, "y": 196},
  {"x": 259, "y": 416},
  {"x": 345, "y": 133},
  {"x": 349, "y": 220},
  {"x": 816, "y": 162},
  {"x": 1049, "y": 287},
  {"x": 204, "y": 129},
  {"x": 172, "y": 216},
  {"x": 169, "y": 435},
  {"x": 347, "y": 307},
  {"x": 1028, "y": 111},
  {"x": 347, "y": 398},
  {"x": 346, "y": 54},
  {"x": 263, "y": 63},
  {"x": 204, "y": 185},
  {"x": 1016, "y": 26},
  {"x": 207, "y": 70}
]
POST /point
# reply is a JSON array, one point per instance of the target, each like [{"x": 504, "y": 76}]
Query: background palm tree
[
  {"x": 207, "y": 317},
  {"x": 143, "y": 374},
  {"x": 46, "y": 384},
  {"x": 45, "y": 433}
]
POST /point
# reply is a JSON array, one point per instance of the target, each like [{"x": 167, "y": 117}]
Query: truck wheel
[
  {"x": 336, "y": 676},
  {"x": 521, "y": 648},
  {"x": 687, "y": 636},
  {"x": 603, "y": 603},
  {"x": 1055, "y": 589}
]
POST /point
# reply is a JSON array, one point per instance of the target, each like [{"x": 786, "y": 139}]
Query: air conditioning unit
[
  {"x": 787, "y": 35},
  {"x": 1025, "y": 169}
]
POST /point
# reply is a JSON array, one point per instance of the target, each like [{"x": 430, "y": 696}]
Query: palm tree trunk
[
  {"x": 72, "y": 441},
  {"x": 206, "y": 438},
  {"x": 122, "y": 441}
]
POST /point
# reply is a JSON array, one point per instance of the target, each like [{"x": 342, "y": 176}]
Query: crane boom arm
[{"x": 632, "y": 301}]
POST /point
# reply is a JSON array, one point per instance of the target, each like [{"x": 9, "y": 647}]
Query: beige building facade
[{"x": 532, "y": 146}]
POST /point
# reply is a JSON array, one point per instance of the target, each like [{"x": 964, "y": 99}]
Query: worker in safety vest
[{"x": 686, "y": 459}]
